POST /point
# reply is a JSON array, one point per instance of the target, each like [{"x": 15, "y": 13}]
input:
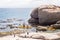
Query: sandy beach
[
  {"x": 33, "y": 34},
  {"x": 15, "y": 38}
]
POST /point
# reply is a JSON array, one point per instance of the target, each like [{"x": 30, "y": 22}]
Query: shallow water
[{"x": 10, "y": 13}]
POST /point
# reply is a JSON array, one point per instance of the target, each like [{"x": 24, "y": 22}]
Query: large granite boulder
[
  {"x": 34, "y": 13},
  {"x": 45, "y": 15}
]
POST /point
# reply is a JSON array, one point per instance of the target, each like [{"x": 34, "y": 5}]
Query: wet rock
[
  {"x": 12, "y": 26},
  {"x": 45, "y": 15},
  {"x": 3, "y": 27},
  {"x": 41, "y": 28},
  {"x": 56, "y": 26},
  {"x": 58, "y": 22}
]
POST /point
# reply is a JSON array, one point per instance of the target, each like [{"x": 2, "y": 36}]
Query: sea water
[
  {"x": 10, "y": 13},
  {"x": 22, "y": 13}
]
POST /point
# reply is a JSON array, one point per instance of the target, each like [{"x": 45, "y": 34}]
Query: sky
[{"x": 26, "y": 3}]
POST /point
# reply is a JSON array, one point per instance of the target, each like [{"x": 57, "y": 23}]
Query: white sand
[
  {"x": 46, "y": 35},
  {"x": 15, "y": 38}
]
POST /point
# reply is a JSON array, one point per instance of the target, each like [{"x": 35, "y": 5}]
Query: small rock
[
  {"x": 56, "y": 26},
  {"x": 58, "y": 22},
  {"x": 38, "y": 37},
  {"x": 41, "y": 28}
]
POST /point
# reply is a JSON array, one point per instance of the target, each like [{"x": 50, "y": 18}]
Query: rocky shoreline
[{"x": 14, "y": 32}]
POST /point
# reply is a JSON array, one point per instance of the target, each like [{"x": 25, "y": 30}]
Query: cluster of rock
[
  {"x": 46, "y": 15},
  {"x": 13, "y": 32}
]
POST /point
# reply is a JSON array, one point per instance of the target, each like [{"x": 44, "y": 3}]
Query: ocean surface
[
  {"x": 10, "y": 13},
  {"x": 22, "y": 13}
]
